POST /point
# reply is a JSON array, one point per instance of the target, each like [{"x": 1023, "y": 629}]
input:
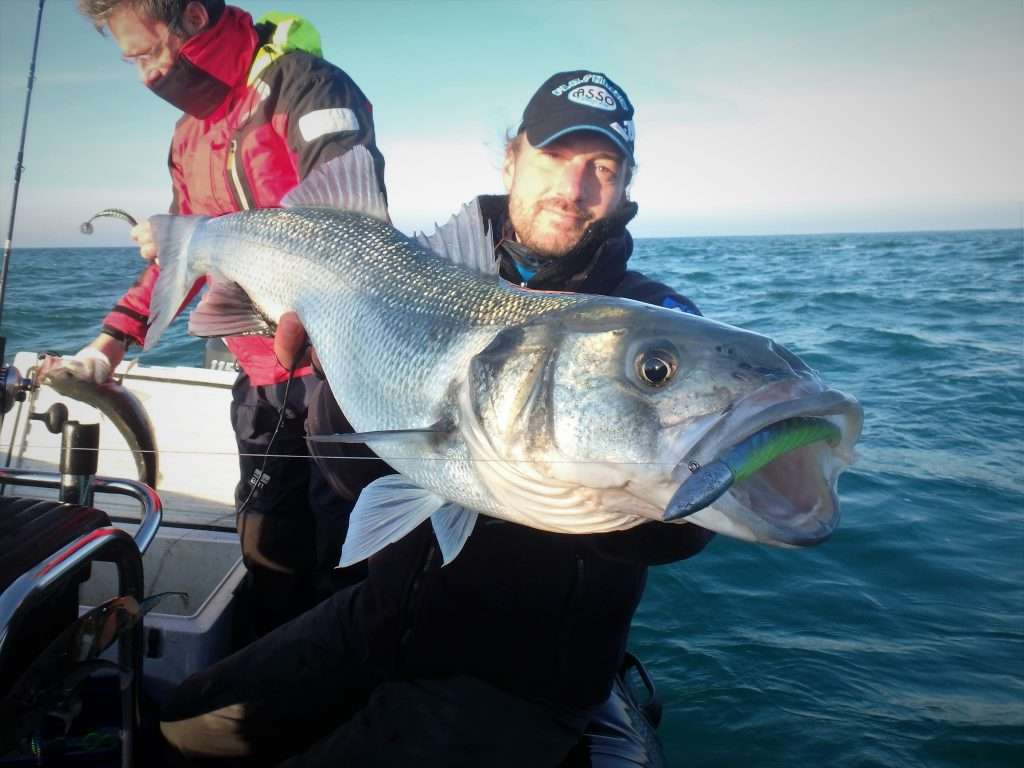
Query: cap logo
[
  {"x": 626, "y": 130},
  {"x": 593, "y": 96}
]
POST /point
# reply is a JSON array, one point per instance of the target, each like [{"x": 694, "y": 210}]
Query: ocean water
[{"x": 900, "y": 641}]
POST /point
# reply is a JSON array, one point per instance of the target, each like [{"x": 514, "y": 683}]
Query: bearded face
[{"x": 556, "y": 191}]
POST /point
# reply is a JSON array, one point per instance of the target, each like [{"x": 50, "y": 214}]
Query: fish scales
[{"x": 373, "y": 300}]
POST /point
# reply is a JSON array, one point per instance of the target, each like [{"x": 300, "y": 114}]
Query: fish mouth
[{"x": 788, "y": 498}]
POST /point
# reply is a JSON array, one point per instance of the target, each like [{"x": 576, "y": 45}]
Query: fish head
[{"x": 593, "y": 417}]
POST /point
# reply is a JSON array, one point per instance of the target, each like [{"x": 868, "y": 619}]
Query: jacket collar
[{"x": 211, "y": 66}]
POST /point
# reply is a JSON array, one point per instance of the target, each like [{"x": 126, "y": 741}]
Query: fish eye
[{"x": 656, "y": 367}]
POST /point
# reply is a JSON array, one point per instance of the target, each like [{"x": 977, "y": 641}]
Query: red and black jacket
[{"x": 283, "y": 115}]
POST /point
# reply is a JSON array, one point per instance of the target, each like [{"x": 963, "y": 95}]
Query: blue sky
[{"x": 752, "y": 117}]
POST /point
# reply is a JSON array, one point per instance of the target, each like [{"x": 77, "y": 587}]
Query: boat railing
[
  {"x": 37, "y": 588},
  {"x": 109, "y": 544},
  {"x": 152, "y": 508}
]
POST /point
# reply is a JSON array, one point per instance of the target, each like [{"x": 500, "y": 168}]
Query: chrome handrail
[
  {"x": 152, "y": 507},
  {"x": 35, "y": 585}
]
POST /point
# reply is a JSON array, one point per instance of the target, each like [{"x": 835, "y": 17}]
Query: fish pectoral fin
[
  {"x": 227, "y": 310},
  {"x": 452, "y": 525},
  {"x": 386, "y": 510},
  {"x": 348, "y": 183},
  {"x": 383, "y": 436}
]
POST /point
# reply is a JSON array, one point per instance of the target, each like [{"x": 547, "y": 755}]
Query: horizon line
[{"x": 914, "y": 231}]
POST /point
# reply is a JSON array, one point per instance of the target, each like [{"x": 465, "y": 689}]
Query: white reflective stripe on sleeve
[{"x": 322, "y": 122}]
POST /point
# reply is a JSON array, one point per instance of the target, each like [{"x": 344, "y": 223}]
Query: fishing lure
[
  {"x": 107, "y": 213},
  {"x": 710, "y": 481}
]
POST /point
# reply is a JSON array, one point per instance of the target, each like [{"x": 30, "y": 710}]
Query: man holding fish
[{"x": 572, "y": 422}]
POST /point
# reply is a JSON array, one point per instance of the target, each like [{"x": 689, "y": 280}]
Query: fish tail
[{"x": 172, "y": 236}]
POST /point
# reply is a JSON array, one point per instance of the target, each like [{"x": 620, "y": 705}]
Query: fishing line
[
  {"x": 242, "y": 513},
  {"x": 304, "y": 456},
  {"x": 187, "y": 534}
]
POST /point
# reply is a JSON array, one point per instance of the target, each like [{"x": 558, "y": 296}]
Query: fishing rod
[
  {"x": 12, "y": 386},
  {"x": 18, "y": 168}
]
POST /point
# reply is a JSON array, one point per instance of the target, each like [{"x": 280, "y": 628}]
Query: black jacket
[
  {"x": 543, "y": 615},
  {"x": 597, "y": 264}
]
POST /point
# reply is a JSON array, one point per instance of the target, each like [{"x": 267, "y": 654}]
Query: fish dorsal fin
[
  {"x": 463, "y": 240},
  {"x": 227, "y": 310},
  {"x": 386, "y": 510},
  {"x": 348, "y": 183}
]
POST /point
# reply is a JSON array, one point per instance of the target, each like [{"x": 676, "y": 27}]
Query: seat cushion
[{"x": 33, "y": 529}]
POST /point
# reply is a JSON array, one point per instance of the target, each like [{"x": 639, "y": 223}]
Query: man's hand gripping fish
[{"x": 564, "y": 412}]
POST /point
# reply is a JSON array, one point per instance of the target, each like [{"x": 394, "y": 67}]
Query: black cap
[{"x": 579, "y": 101}]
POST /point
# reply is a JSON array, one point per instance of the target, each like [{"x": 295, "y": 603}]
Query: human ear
[
  {"x": 195, "y": 18},
  {"x": 508, "y": 169}
]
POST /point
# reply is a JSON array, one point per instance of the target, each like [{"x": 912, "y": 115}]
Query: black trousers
[
  {"x": 290, "y": 522},
  {"x": 309, "y": 694}
]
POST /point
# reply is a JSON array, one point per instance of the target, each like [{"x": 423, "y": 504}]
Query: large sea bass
[{"x": 564, "y": 412}]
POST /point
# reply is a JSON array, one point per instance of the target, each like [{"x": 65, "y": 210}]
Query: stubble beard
[{"x": 548, "y": 242}]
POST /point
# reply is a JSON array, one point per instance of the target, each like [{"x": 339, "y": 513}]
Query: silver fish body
[{"x": 564, "y": 412}]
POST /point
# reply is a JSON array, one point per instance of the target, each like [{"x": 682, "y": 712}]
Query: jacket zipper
[{"x": 236, "y": 178}]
